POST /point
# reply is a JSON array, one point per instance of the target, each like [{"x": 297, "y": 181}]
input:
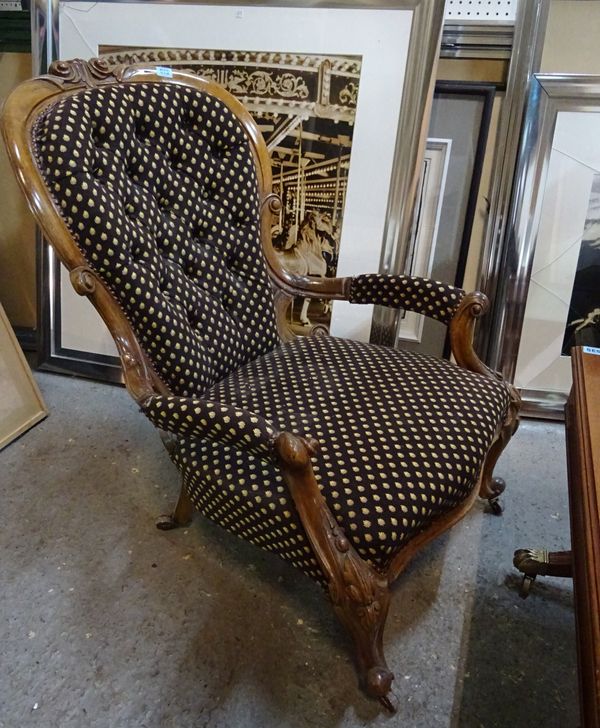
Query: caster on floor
[
  {"x": 388, "y": 704},
  {"x": 166, "y": 523},
  {"x": 495, "y": 506},
  {"x": 526, "y": 585}
]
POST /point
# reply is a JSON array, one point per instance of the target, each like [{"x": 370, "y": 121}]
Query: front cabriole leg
[{"x": 359, "y": 594}]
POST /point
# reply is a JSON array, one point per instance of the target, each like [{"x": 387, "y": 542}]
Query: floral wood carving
[{"x": 81, "y": 73}]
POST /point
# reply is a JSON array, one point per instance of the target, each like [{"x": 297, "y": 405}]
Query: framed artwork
[
  {"x": 305, "y": 107},
  {"x": 461, "y": 113},
  {"x": 551, "y": 301},
  {"x": 427, "y": 219},
  {"x": 364, "y": 76},
  {"x": 21, "y": 404}
]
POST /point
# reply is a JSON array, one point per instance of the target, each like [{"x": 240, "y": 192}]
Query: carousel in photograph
[{"x": 305, "y": 107}]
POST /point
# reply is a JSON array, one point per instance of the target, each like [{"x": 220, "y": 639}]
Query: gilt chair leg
[
  {"x": 181, "y": 516},
  {"x": 491, "y": 488},
  {"x": 359, "y": 594}
]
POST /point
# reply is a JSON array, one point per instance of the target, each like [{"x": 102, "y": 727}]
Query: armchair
[{"x": 342, "y": 457}]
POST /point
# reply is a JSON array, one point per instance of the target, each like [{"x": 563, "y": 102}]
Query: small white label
[
  {"x": 591, "y": 350},
  {"x": 164, "y": 72}
]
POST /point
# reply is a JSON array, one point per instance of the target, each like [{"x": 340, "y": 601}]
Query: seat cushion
[{"x": 402, "y": 441}]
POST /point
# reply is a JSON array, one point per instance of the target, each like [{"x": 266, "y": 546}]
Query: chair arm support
[
  {"x": 222, "y": 423},
  {"x": 462, "y": 328},
  {"x": 421, "y": 295}
]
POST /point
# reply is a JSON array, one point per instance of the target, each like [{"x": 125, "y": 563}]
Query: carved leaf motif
[{"x": 77, "y": 71}]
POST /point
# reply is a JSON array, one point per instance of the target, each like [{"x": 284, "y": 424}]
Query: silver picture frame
[
  {"x": 528, "y": 42},
  {"x": 422, "y": 54},
  {"x": 549, "y": 95}
]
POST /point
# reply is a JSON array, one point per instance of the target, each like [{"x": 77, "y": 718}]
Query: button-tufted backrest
[{"x": 156, "y": 182}]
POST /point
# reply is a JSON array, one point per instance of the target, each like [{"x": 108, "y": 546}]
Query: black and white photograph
[
  {"x": 583, "y": 322},
  {"x": 305, "y": 107}
]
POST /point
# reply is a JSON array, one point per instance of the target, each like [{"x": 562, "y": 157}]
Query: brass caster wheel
[
  {"x": 526, "y": 585},
  {"x": 166, "y": 523}
]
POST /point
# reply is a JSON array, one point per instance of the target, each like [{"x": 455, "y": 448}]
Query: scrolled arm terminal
[{"x": 222, "y": 423}]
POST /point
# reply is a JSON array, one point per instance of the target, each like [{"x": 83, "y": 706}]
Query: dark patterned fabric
[
  {"x": 217, "y": 421},
  {"x": 402, "y": 440},
  {"x": 157, "y": 184},
  {"x": 421, "y": 295}
]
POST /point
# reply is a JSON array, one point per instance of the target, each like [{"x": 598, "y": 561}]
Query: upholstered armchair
[{"x": 344, "y": 458}]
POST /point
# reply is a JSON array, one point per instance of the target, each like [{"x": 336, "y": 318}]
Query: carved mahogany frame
[{"x": 359, "y": 593}]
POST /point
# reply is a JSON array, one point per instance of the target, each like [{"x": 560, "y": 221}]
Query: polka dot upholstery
[
  {"x": 402, "y": 440},
  {"x": 421, "y": 295},
  {"x": 217, "y": 421},
  {"x": 157, "y": 184}
]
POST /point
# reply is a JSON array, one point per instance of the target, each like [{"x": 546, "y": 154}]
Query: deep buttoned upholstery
[{"x": 157, "y": 185}]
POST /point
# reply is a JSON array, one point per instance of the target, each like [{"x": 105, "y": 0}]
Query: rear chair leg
[
  {"x": 491, "y": 488},
  {"x": 181, "y": 516}
]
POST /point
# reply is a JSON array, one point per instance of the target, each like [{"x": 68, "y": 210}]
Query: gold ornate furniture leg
[
  {"x": 359, "y": 594},
  {"x": 181, "y": 516},
  {"x": 538, "y": 562}
]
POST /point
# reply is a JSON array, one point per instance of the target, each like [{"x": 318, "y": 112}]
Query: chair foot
[
  {"x": 378, "y": 684},
  {"x": 167, "y": 522},
  {"x": 361, "y": 605},
  {"x": 496, "y": 488},
  {"x": 181, "y": 516},
  {"x": 538, "y": 562},
  {"x": 387, "y": 702}
]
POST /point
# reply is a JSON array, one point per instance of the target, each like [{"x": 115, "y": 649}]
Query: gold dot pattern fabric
[
  {"x": 421, "y": 295},
  {"x": 156, "y": 182},
  {"x": 217, "y": 421},
  {"x": 402, "y": 441}
]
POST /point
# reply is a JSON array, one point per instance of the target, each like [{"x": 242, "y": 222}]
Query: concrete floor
[{"x": 106, "y": 622}]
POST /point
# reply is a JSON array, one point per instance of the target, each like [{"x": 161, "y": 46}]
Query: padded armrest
[
  {"x": 421, "y": 295},
  {"x": 216, "y": 421}
]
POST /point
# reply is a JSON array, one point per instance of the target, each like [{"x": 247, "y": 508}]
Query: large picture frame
[
  {"x": 461, "y": 114},
  {"x": 384, "y": 210},
  {"x": 553, "y": 195},
  {"x": 21, "y": 403},
  {"x": 428, "y": 210}
]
